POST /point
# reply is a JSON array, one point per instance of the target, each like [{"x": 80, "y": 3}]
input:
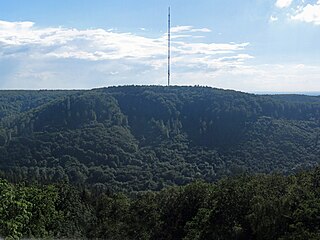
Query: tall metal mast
[{"x": 169, "y": 46}]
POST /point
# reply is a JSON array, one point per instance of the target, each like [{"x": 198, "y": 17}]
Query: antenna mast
[{"x": 168, "y": 46}]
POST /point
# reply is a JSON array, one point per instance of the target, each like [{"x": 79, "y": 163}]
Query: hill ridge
[{"x": 147, "y": 137}]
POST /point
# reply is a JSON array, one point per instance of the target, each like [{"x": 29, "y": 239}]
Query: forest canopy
[
  {"x": 151, "y": 162},
  {"x": 245, "y": 207},
  {"x": 136, "y": 138}
]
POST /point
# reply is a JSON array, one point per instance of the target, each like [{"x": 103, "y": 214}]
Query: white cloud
[
  {"x": 96, "y": 44},
  {"x": 273, "y": 19},
  {"x": 286, "y": 78},
  {"x": 283, "y": 3},
  {"x": 179, "y": 29},
  {"x": 200, "y": 30},
  {"x": 23, "y": 41},
  {"x": 259, "y": 78},
  {"x": 309, "y": 14},
  {"x": 16, "y": 25},
  {"x": 208, "y": 49},
  {"x": 57, "y": 57}
]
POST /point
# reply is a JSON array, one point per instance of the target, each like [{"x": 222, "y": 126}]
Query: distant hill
[{"x": 146, "y": 137}]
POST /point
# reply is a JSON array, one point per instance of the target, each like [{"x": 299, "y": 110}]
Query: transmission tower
[{"x": 169, "y": 46}]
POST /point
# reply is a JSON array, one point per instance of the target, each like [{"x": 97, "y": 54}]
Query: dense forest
[
  {"x": 151, "y": 162},
  {"x": 243, "y": 207},
  {"x": 140, "y": 138}
]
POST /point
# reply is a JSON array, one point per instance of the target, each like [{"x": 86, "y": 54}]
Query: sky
[{"x": 247, "y": 45}]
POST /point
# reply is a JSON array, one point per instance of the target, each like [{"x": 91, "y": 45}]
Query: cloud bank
[
  {"x": 40, "y": 56},
  {"x": 34, "y": 57}
]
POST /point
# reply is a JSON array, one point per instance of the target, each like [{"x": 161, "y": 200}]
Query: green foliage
[
  {"x": 135, "y": 139},
  {"x": 14, "y": 211},
  {"x": 245, "y": 207},
  {"x": 43, "y": 211},
  {"x": 105, "y": 149}
]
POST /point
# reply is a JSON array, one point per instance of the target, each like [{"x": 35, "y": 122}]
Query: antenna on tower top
[{"x": 168, "y": 46}]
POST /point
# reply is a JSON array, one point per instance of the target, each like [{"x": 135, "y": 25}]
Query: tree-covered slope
[
  {"x": 13, "y": 102},
  {"x": 144, "y": 138},
  {"x": 246, "y": 207}
]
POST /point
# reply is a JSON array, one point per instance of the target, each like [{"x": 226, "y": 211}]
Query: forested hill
[{"x": 146, "y": 137}]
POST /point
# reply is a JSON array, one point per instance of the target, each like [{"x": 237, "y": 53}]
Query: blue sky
[{"x": 261, "y": 45}]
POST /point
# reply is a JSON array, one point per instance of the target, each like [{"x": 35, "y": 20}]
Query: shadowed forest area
[
  {"x": 146, "y": 138},
  {"x": 151, "y": 162}
]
